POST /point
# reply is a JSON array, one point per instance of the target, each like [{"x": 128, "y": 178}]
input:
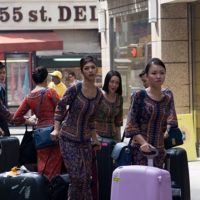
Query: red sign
[{"x": 134, "y": 52}]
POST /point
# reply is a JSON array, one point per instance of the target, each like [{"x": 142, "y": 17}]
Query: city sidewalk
[
  {"x": 194, "y": 170},
  {"x": 194, "y": 167}
]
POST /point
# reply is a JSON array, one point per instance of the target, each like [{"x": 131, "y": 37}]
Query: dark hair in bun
[
  {"x": 86, "y": 60},
  {"x": 40, "y": 74}
]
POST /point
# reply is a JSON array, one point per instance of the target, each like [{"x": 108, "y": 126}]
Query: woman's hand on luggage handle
[
  {"x": 146, "y": 147},
  {"x": 96, "y": 145}
]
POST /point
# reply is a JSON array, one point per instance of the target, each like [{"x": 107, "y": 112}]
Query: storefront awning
[{"x": 30, "y": 41}]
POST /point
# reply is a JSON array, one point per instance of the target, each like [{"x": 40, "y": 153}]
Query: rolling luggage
[
  {"x": 9, "y": 153},
  {"x": 105, "y": 167},
  {"x": 59, "y": 187},
  {"x": 31, "y": 186},
  {"x": 177, "y": 164},
  {"x": 141, "y": 183}
]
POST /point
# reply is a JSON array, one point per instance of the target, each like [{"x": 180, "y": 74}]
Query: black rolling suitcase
[
  {"x": 9, "y": 153},
  {"x": 105, "y": 167},
  {"x": 31, "y": 186},
  {"x": 177, "y": 164}
]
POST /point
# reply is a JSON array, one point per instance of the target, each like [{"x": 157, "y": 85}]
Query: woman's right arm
[
  {"x": 61, "y": 110},
  {"x": 132, "y": 128},
  {"x": 18, "y": 117}
]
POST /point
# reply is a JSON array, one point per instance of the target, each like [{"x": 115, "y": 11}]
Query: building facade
[
  {"x": 168, "y": 29},
  {"x": 52, "y": 33}
]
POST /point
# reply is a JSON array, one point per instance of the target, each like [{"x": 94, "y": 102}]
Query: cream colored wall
[
  {"x": 105, "y": 42},
  {"x": 197, "y": 68},
  {"x": 170, "y": 43}
]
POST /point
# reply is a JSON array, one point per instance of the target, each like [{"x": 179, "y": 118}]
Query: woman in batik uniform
[
  {"x": 49, "y": 159},
  {"x": 76, "y": 129},
  {"x": 151, "y": 115},
  {"x": 109, "y": 117}
]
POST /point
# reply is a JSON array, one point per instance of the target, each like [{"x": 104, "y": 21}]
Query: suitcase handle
[
  {"x": 153, "y": 153},
  {"x": 150, "y": 155}
]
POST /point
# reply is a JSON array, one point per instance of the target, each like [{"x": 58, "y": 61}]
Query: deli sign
[{"x": 51, "y": 15}]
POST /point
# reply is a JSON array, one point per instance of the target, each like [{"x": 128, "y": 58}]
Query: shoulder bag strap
[{"x": 41, "y": 98}]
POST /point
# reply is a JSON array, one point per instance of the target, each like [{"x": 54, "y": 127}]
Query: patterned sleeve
[
  {"x": 65, "y": 101},
  {"x": 119, "y": 117},
  {"x": 172, "y": 117},
  {"x": 18, "y": 117},
  {"x": 4, "y": 112},
  {"x": 132, "y": 126}
]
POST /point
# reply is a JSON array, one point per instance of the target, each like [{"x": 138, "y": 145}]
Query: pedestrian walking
[
  {"x": 109, "y": 117},
  {"x": 76, "y": 130},
  {"x": 42, "y": 102},
  {"x": 151, "y": 115},
  {"x": 57, "y": 83},
  {"x": 3, "y": 121}
]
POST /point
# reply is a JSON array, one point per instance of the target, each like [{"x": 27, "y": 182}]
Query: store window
[
  {"x": 68, "y": 63},
  {"x": 18, "y": 67},
  {"x": 130, "y": 50}
]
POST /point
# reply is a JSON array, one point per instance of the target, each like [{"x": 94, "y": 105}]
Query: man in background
[
  {"x": 57, "y": 83},
  {"x": 143, "y": 78},
  {"x": 72, "y": 78},
  {"x": 3, "y": 121}
]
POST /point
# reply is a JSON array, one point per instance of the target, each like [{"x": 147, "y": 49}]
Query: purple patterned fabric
[
  {"x": 108, "y": 117},
  {"x": 150, "y": 119},
  {"x": 79, "y": 122}
]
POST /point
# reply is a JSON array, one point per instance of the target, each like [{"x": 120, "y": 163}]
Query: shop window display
[{"x": 131, "y": 49}]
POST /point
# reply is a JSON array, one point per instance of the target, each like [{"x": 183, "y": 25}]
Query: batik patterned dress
[
  {"x": 150, "y": 119},
  {"x": 109, "y": 117},
  {"x": 75, "y": 139},
  {"x": 44, "y": 111}
]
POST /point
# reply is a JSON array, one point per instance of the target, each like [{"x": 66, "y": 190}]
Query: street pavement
[
  {"x": 194, "y": 167},
  {"x": 194, "y": 170}
]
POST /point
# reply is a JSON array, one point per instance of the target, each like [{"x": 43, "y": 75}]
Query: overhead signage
[{"x": 48, "y": 15}]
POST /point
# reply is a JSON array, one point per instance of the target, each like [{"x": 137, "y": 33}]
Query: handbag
[
  {"x": 175, "y": 138},
  {"x": 42, "y": 137},
  {"x": 122, "y": 153},
  {"x": 27, "y": 150}
]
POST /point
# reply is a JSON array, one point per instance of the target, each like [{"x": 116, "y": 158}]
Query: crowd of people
[{"x": 83, "y": 112}]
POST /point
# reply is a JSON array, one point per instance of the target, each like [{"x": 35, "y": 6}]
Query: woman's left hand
[
  {"x": 1, "y": 132},
  {"x": 96, "y": 145},
  {"x": 166, "y": 134},
  {"x": 54, "y": 135}
]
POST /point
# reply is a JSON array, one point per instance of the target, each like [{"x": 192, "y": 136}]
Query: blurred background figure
[
  {"x": 57, "y": 83},
  {"x": 3, "y": 122},
  {"x": 72, "y": 78},
  {"x": 143, "y": 78},
  {"x": 109, "y": 116}
]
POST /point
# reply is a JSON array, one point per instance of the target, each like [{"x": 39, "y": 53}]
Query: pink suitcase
[{"x": 138, "y": 182}]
